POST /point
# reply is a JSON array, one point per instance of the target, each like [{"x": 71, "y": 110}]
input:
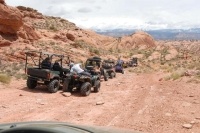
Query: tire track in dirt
[
  {"x": 140, "y": 102},
  {"x": 133, "y": 106}
]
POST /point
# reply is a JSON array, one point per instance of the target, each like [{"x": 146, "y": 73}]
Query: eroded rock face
[
  {"x": 5, "y": 43},
  {"x": 2, "y": 2},
  {"x": 28, "y": 33},
  {"x": 10, "y": 19},
  {"x": 30, "y": 12}
]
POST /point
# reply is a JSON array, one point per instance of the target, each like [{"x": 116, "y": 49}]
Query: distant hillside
[
  {"x": 165, "y": 34},
  {"x": 24, "y": 28}
]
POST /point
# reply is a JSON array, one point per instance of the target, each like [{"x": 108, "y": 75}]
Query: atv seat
[
  {"x": 57, "y": 67},
  {"x": 46, "y": 66}
]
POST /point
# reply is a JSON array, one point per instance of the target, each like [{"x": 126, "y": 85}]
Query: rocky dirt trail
[{"x": 134, "y": 101}]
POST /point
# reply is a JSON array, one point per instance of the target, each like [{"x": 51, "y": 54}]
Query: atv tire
[
  {"x": 31, "y": 83},
  {"x": 85, "y": 89},
  {"x": 122, "y": 71},
  {"x": 97, "y": 86},
  {"x": 112, "y": 75},
  {"x": 53, "y": 86}
]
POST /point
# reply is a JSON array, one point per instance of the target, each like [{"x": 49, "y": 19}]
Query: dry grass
[
  {"x": 194, "y": 80},
  {"x": 176, "y": 74},
  {"x": 4, "y": 78}
]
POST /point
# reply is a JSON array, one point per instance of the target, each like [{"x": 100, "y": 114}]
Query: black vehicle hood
[{"x": 57, "y": 127}]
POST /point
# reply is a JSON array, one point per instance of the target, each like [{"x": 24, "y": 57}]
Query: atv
[
  {"x": 108, "y": 66},
  {"x": 133, "y": 62},
  {"x": 119, "y": 66},
  {"x": 95, "y": 64},
  {"x": 41, "y": 70},
  {"x": 126, "y": 65},
  {"x": 82, "y": 83}
]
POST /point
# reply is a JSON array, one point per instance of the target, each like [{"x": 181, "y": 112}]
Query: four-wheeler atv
[
  {"x": 82, "y": 83},
  {"x": 119, "y": 66},
  {"x": 108, "y": 66},
  {"x": 133, "y": 62},
  {"x": 126, "y": 65},
  {"x": 43, "y": 71},
  {"x": 95, "y": 63}
]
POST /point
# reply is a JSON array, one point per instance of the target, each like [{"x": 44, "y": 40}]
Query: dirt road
[{"x": 139, "y": 102}]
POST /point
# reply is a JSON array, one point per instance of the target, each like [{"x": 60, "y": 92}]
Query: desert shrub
[
  {"x": 8, "y": 71},
  {"x": 111, "y": 50},
  {"x": 16, "y": 68},
  {"x": 52, "y": 43},
  {"x": 52, "y": 27},
  {"x": 94, "y": 50},
  {"x": 197, "y": 66},
  {"x": 168, "y": 68},
  {"x": 165, "y": 51},
  {"x": 147, "y": 53},
  {"x": 167, "y": 78},
  {"x": 177, "y": 74},
  {"x": 131, "y": 70},
  {"x": 119, "y": 50},
  {"x": 131, "y": 54},
  {"x": 191, "y": 66},
  {"x": 194, "y": 80},
  {"x": 24, "y": 76},
  {"x": 5, "y": 78},
  {"x": 18, "y": 76},
  {"x": 78, "y": 44}
]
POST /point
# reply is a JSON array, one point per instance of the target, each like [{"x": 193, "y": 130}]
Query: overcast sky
[{"x": 129, "y": 14}]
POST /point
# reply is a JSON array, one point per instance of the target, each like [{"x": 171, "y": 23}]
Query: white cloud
[
  {"x": 107, "y": 14},
  {"x": 84, "y": 10}
]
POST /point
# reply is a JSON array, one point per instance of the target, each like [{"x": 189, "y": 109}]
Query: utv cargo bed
[{"x": 39, "y": 73}]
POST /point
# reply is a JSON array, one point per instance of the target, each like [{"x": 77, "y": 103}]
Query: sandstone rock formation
[
  {"x": 2, "y": 2},
  {"x": 32, "y": 30},
  {"x": 4, "y": 43},
  {"x": 30, "y": 12},
  {"x": 27, "y": 32},
  {"x": 138, "y": 39},
  {"x": 70, "y": 37},
  {"x": 10, "y": 19}
]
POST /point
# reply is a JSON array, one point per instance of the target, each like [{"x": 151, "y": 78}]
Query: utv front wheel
[
  {"x": 97, "y": 86},
  {"x": 31, "y": 83},
  {"x": 85, "y": 89},
  {"x": 53, "y": 86}
]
